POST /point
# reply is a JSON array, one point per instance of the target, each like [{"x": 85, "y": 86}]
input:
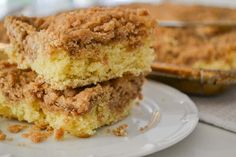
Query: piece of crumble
[{"x": 120, "y": 130}]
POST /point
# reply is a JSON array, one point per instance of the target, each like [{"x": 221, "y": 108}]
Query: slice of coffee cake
[
  {"x": 79, "y": 111},
  {"x": 83, "y": 47}
]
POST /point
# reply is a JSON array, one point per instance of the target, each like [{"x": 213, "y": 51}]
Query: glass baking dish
[
  {"x": 193, "y": 81},
  {"x": 200, "y": 80}
]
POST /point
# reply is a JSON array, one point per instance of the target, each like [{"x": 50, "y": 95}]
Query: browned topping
[
  {"x": 2, "y": 136},
  {"x": 80, "y": 29},
  {"x": 18, "y": 84},
  {"x": 85, "y": 135},
  {"x": 40, "y": 127},
  {"x": 120, "y": 130},
  {"x": 173, "y": 11},
  {"x": 16, "y": 128},
  {"x": 3, "y": 34},
  {"x": 186, "y": 46},
  {"x": 59, "y": 134},
  {"x": 12, "y": 81}
]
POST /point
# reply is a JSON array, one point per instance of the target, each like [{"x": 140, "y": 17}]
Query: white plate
[{"x": 179, "y": 116}]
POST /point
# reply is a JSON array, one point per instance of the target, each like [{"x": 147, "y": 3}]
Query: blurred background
[{"x": 46, "y": 7}]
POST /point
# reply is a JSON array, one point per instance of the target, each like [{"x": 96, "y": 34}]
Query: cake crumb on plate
[
  {"x": 16, "y": 128},
  {"x": 2, "y": 136},
  {"x": 38, "y": 134},
  {"x": 59, "y": 134},
  {"x": 120, "y": 130}
]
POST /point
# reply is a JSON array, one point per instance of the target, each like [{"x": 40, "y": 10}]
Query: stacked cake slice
[{"x": 78, "y": 70}]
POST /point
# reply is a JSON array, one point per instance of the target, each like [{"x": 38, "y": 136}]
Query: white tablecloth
[{"x": 219, "y": 110}]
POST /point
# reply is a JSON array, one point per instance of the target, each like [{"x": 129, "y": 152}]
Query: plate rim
[{"x": 179, "y": 139}]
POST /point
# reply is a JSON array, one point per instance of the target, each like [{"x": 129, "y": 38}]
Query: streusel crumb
[
  {"x": 120, "y": 130},
  {"x": 59, "y": 134},
  {"x": 38, "y": 134},
  {"x": 38, "y": 137},
  {"x": 16, "y": 128},
  {"x": 2, "y": 136}
]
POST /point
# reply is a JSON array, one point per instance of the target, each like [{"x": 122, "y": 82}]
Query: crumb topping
[
  {"x": 13, "y": 80},
  {"x": 3, "y": 34},
  {"x": 40, "y": 127},
  {"x": 188, "y": 46},
  {"x": 16, "y": 128},
  {"x": 81, "y": 100},
  {"x": 173, "y": 11},
  {"x": 81, "y": 29}
]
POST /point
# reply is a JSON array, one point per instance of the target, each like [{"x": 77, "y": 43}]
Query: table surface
[{"x": 205, "y": 141}]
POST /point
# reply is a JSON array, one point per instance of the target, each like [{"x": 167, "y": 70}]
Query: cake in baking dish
[{"x": 212, "y": 48}]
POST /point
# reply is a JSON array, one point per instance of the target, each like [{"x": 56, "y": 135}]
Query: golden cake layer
[
  {"x": 79, "y": 111},
  {"x": 83, "y": 47}
]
